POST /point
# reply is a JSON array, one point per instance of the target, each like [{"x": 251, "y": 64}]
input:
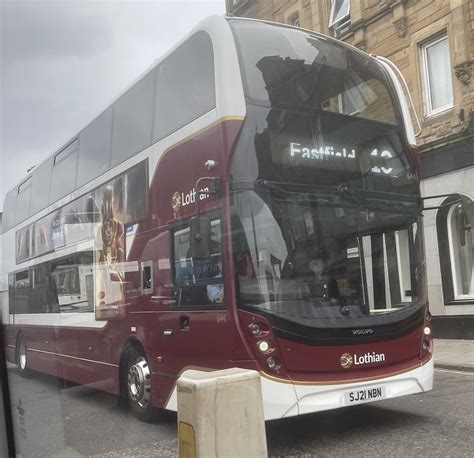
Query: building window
[
  {"x": 237, "y": 6},
  {"x": 294, "y": 20},
  {"x": 461, "y": 245},
  {"x": 339, "y": 18},
  {"x": 456, "y": 250},
  {"x": 437, "y": 82}
]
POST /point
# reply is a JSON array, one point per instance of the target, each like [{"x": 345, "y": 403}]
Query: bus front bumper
[
  {"x": 286, "y": 399},
  {"x": 283, "y": 398}
]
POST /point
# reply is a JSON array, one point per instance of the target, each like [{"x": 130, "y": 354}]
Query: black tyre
[
  {"x": 136, "y": 386},
  {"x": 22, "y": 357}
]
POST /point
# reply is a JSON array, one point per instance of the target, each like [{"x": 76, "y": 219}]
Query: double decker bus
[{"x": 252, "y": 201}]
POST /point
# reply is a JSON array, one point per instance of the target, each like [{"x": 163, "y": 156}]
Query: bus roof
[{"x": 10, "y": 220}]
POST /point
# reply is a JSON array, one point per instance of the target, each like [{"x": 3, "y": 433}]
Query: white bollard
[{"x": 220, "y": 414}]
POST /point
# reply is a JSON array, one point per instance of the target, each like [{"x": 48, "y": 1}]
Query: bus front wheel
[
  {"x": 22, "y": 357},
  {"x": 137, "y": 380}
]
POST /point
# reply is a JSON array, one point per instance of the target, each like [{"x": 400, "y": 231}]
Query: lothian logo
[
  {"x": 183, "y": 199},
  {"x": 347, "y": 360},
  {"x": 176, "y": 201}
]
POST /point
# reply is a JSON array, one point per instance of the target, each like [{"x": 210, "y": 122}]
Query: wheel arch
[{"x": 130, "y": 342}]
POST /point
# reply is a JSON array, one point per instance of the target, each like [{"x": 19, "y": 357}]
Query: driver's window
[{"x": 198, "y": 281}]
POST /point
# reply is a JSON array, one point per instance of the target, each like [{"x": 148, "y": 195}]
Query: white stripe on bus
[{"x": 72, "y": 357}]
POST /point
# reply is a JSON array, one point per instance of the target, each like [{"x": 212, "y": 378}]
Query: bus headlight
[
  {"x": 254, "y": 329},
  {"x": 272, "y": 363},
  {"x": 263, "y": 346},
  {"x": 427, "y": 331}
]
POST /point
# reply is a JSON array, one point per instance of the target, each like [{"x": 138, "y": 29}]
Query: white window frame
[
  {"x": 22, "y": 187},
  {"x": 429, "y": 111},
  {"x": 340, "y": 21},
  {"x": 452, "y": 250},
  {"x": 65, "y": 152}
]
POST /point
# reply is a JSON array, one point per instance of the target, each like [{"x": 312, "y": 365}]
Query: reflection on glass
[
  {"x": 461, "y": 240},
  {"x": 320, "y": 249},
  {"x": 199, "y": 281}
]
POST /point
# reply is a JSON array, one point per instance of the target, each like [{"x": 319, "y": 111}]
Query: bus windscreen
[{"x": 326, "y": 204}]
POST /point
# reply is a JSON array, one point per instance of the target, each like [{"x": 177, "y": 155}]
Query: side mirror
[{"x": 200, "y": 237}]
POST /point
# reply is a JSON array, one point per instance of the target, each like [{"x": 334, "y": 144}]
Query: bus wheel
[
  {"x": 138, "y": 383},
  {"x": 22, "y": 357}
]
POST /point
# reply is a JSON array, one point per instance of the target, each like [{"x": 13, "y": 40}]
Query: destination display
[{"x": 377, "y": 160}]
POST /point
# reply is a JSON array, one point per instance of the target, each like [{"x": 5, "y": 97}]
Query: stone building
[{"x": 432, "y": 43}]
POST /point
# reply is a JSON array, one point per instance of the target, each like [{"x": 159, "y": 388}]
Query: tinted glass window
[
  {"x": 23, "y": 201},
  {"x": 62, "y": 285},
  {"x": 40, "y": 186},
  {"x": 121, "y": 202},
  {"x": 198, "y": 281},
  {"x": 292, "y": 69},
  {"x": 94, "y": 154},
  {"x": 22, "y": 293},
  {"x": 72, "y": 283},
  {"x": 132, "y": 121},
  {"x": 184, "y": 85},
  {"x": 9, "y": 210},
  {"x": 63, "y": 179}
]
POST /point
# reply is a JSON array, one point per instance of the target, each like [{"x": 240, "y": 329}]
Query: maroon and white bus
[{"x": 252, "y": 201}]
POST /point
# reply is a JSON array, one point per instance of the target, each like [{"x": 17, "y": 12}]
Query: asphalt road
[{"x": 78, "y": 421}]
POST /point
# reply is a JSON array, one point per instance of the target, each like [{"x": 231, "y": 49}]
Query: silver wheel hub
[{"x": 139, "y": 382}]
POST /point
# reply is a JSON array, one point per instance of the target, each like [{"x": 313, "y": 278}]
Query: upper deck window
[
  {"x": 63, "y": 176},
  {"x": 23, "y": 201},
  {"x": 25, "y": 185},
  {"x": 299, "y": 71},
  {"x": 132, "y": 122},
  {"x": 9, "y": 210},
  {"x": 63, "y": 154},
  {"x": 185, "y": 85}
]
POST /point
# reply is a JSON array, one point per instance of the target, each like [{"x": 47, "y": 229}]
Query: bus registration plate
[{"x": 364, "y": 395}]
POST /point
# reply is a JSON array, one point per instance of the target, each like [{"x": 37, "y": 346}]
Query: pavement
[{"x": 454, "y": 354}]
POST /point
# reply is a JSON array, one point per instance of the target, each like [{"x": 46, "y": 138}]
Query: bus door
[{"x": 196, "y": 328}]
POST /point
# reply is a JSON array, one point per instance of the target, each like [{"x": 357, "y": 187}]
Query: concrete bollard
[{"x": 220, "y": 414}]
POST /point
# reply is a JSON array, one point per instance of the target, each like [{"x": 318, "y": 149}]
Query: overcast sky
[{"x": 63, "y": 61}]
